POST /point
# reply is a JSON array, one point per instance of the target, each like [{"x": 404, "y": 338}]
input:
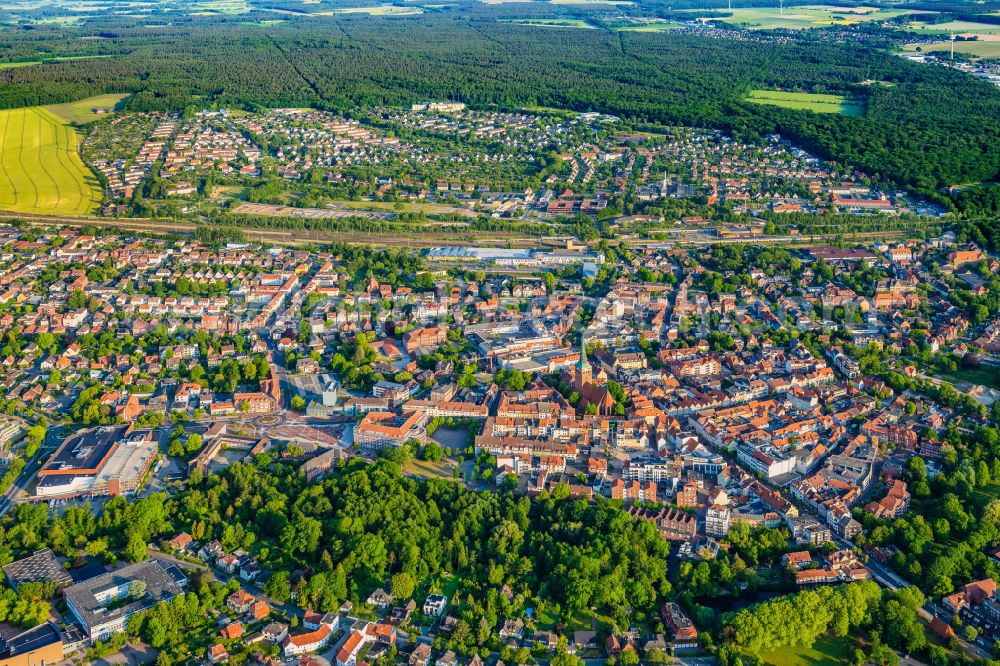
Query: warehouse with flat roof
[
  {"x": 110, "y": 460},
  {"x": 103, "y": 605}
]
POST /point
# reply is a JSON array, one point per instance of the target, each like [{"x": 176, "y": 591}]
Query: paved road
[{"x": 24, "y": 480}]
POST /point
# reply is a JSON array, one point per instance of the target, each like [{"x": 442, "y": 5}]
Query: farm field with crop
[
  {"x": 978, "y": 48},
  {"x": 377, "y": 10},
  {"x": 807, "y": 16},
  {"x": 954, "y": 27},
  {"x": 40, "y": 167}
]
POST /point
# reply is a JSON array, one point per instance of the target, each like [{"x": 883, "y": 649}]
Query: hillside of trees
[{"x": 368, "y": 526}]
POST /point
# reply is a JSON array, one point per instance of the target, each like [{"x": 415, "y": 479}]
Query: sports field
[
  {"x": 808, "y": 102},
  {"x": 803, "y": 17},
  {"x": 40, "y": 166}
]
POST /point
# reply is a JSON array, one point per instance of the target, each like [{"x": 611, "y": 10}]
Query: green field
[
  {"x": 40, "y": 166},
  {"x": 659, "y": 26},
  {"x": 957, "y": 27},
  {"x": 553, "y": 23},
  {"x": 807, "y": 16},
  {"x": 827, "y": 651},
  {"x": 84, "y": 110},
  {"x": 379, "y": 10},
  {"x": 808, "y": 101},
  {"x": 12, "y": 65},
  {"x": 551, "y": 111},
  {"x": 591, "y": 2},
  {"x": 89, "y": 9},
  {"x": 978, "y": 48},
  {"x": 29, "y": 63},
  {"x": 222, "y": 7}
]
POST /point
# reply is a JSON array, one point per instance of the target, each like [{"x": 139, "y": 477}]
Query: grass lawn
[
  {"x": 961, "y": 187},
  {"x": 546, "y": 620},
  {"x": 230, "y": 191},
  {"x": 808, "y": 102},
  {"x": 827, "y": 651},
  {"x": 82, "y": 111},
  {"x": 551, "y": 111},
  {"x": 451, "y": 584},
  {"x": 40, "y": 166},
  {"x": 983, "y": 496},
  {"x": 985, "y": 376},
  {"x": 425, "y": 469}
]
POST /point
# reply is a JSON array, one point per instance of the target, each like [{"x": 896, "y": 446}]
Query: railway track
[
  {"x": 298, "y": 237},
  {"x": 294, "y": 237}
]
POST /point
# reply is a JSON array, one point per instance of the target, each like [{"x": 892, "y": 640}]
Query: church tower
[{"x": 583, "y": 373}]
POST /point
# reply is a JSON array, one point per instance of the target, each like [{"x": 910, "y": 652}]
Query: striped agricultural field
[{"x": 40, "y": 166}]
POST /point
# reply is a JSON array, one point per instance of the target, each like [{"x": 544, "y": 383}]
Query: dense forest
[{"x": 930, "y": 127}]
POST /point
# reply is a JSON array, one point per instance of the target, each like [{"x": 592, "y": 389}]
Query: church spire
[
  {"x": 583, "y": 363},
  {"x": 583, "y": 374}
]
